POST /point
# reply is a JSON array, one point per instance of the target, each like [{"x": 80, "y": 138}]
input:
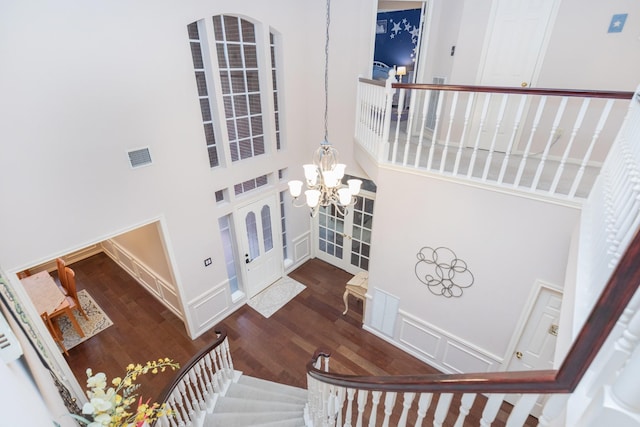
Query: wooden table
[
  {"x": 47, "y": 297},
  {"x": 357, "y": 286}
]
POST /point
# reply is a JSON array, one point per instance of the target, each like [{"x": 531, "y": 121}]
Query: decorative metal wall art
[{"x": 442, "y": 271}]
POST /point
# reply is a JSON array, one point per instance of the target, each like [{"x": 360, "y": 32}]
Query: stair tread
[
  {"x": 234, "y": 419},
  {"x": 259, "y": 393},
  {"x": 239, "y": 404},
  {"x": 273, "y": 386}
]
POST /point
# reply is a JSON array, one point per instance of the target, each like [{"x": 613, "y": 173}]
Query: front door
[
  {"x": 345, "y": 241},
  {"x": 261, "y": 252}
]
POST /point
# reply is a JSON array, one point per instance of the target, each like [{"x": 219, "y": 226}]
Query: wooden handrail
[
  {"x": 608, "y": 94},
  {"x": 610, "y": 305},
  {"x": 166, "y": 392}
]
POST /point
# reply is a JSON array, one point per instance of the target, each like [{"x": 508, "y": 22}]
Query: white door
[
  {"x": 536, "y": 346},
  {"x": 513, "y": 51},
  {"x": 261, "y": 252},
  {"x": 345, "y": 241}
]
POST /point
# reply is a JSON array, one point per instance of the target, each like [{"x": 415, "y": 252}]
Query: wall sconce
[{"x": 401, "y": 71}]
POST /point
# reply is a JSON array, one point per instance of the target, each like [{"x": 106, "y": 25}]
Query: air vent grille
[{"x": 140, "y": 157}]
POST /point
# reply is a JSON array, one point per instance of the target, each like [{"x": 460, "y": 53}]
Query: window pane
[
  {"x": 250, "y": 56},
  {"x": 265, "y": 214},
  {"x": 234, "y": 53},
  {"x": 248, "y": 33},
  {"x": 252, "y": 235},
  {"x": 202, "y": 83},
  {"x": 196, "y": 55},
  {"x": 231, "y": 28},
  {"x": 193, "y": 31},
  {"x": 241, "y": 106}
]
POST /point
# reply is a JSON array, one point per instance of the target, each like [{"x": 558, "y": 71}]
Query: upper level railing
[
  {"x": 544, "y": 141},
  {"x": 608, "y": 254}
]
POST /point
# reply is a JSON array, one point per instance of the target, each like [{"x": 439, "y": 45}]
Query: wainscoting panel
[
  {"x": 209, "y": 307},
  {"x": 301, "y": 248},
  {"x": 156, "y": 285},
  {"x": 442, "y": 350},
  {"x": 420, "y": 338},
  {"x": 457, "y": 356}
]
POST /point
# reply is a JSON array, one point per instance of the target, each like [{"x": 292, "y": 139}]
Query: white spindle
[
  {"x": 501, "y": 110},
  {"x": 423, "y": 406},
  {"x": 465, "y": 127},
  {"x": 389, "y": 401},
  {"x": 340, "y": 396},
  {"x": 362, "y": 405},
  {"x": 406, "y": 405},
  {"x": 550, "y": 141},
  {"x": 349, "y": 414},
  {"x": 521, "y": 410},
  {"x": 491, "y": 409},
  {"x": 442, "y": 409},
  {"x": 553, "y": 409},
  {"x": 576, "y": 127},
  {"x": 476, "y": 145},
  {"x": 594, "y": 138},
  {"x": 514, "y": 133},
  {"x": 532, "y": 132},
  {"x": 434, "y": 138},
  {"x": 375, "y": 399},
  {"x": 425, "y": 112},
  {"x": 452, "y": 113},
  {"x": 465, "y": 406}
]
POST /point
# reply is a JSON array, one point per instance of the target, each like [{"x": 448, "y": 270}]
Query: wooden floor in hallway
[{"x": 275, "y": 349}]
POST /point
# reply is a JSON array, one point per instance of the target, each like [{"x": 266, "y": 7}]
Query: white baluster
[
  {"x": 527, "y": 149},
  {"x": 594, "y": 138},
  {"x": 465, "y": 406},
  {"x": 452, "y": 112},
  {"x": 435, "y": 129},
  {"x": 476, "y": 145},
  {"x": 362, "y": 405},
  {"x": 389, "y": 401},
  {"x": 491, "y": 409},
  {"x": 340, "y": 396},
  {"x": 553, "y": 409},
  {"x": 552, "y": 136},
  {"x": 423, "y": 406},
  {"x": 349, "y": 414},
  {"x": 465, "y": 127},
  {"x": 442, "y": 409},
  {"x": 514, "y": 133},
  {"x": 576, "y": 127},
  {"x": 496, "y": 132},
  {"x": 425, "y": 112},
  {"x": 406, "y": 405},
  {"x": 521, "y": 410},
  {"x": 375, "y": 399}
]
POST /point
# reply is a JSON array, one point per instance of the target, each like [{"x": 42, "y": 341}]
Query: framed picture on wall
[{"x": 381, "y": 26}]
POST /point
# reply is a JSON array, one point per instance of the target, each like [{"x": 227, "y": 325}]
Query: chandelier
[{"x": 323, "y": 177}]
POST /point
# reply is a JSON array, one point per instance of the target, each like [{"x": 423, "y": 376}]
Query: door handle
[
  {"x": 524, "y": 84},
  {"x": 246, "y": 259},
  {"x": 518, "y": 355}
]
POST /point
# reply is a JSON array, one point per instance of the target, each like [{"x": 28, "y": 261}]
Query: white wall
[
  {"x": 146, "y": 245},
  {"x": 507, "y": 242},
  {"x": 82, "y": 83},
  {"x": 580, "y": 55}
]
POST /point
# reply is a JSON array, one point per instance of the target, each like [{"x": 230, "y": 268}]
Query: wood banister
[
  {"x": 166, "y": 393},
  {"x": 609, "y": 94},
  {"x": 615, "y": 297}
]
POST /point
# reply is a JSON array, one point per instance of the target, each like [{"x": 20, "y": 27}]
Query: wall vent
[{"x": 139, "y": 157}]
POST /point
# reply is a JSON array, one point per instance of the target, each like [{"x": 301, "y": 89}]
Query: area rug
[
  {"x": 98, "y": 321},
  {"x": 276, "y": 296}
]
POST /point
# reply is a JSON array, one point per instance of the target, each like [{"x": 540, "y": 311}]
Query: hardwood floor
[{"x": 275, "y": 349}]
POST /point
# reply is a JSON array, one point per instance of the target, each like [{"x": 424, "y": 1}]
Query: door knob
[
  {"x": 246, "y": 259},
  {"x": 518, "y": 355},
  {"x": 524, "y": 84}
]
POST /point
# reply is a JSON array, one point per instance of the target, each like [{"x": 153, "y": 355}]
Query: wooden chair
[
  {"x": 55, "y": 332},
  {"x": 62, "y": 276},
  {"x": 72, "y": 291},
  {"x": 70, "y": 303}
]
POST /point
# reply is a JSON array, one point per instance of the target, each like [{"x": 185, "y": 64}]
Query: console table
[{"x": 357, "y": 287}]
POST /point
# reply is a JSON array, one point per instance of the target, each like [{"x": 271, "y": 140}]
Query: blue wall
[{"x": 397, "y": 37}]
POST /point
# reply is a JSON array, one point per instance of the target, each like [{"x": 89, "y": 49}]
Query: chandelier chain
[{"x": 326, "y": 73}]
